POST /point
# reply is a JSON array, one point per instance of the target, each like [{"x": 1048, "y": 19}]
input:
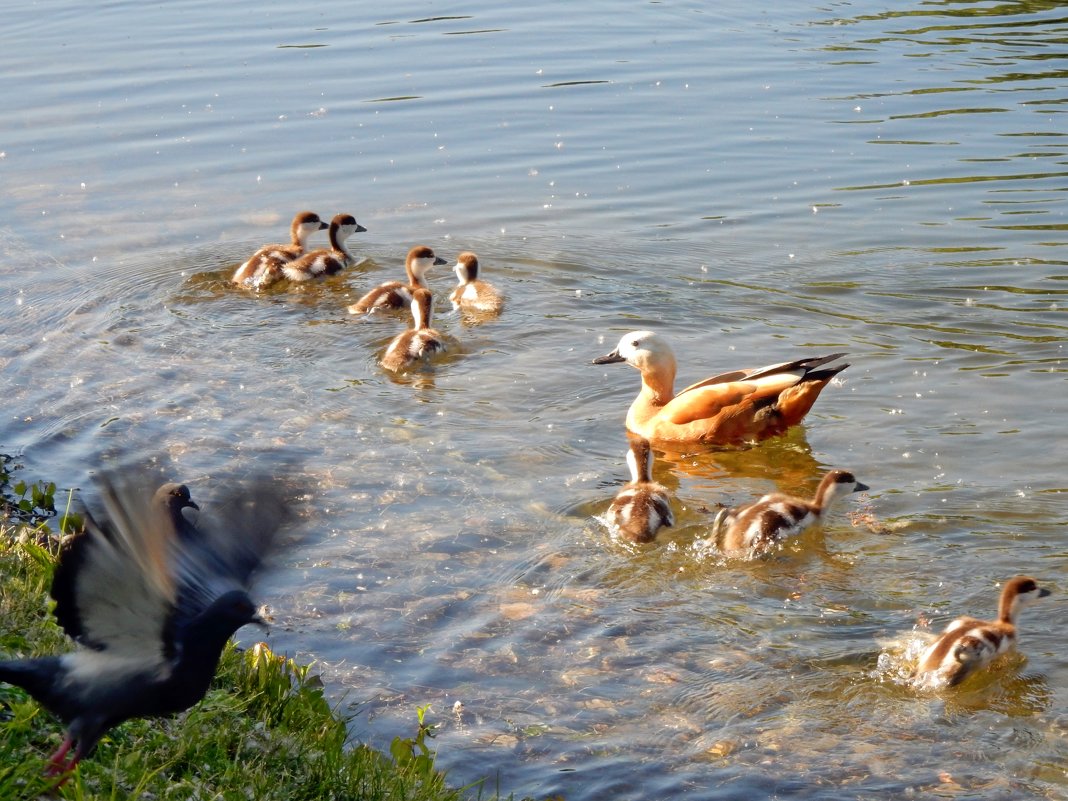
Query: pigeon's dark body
[{"x": 151, "y": 600}]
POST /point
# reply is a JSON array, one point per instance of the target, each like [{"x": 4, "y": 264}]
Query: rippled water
[{"x": 754, "y": 183}]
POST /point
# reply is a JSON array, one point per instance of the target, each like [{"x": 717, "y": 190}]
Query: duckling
[
  {"x": 394, "y": 294},
  {"x": 417, "y": 342},
  {"x": 472, "y": 293},
  {"x": 757, "y": 526},
  {"x": 317, "y": 263},
  {"x": 642, "y": 506},
  {"x": 304, "y": 224},
  {"x": 733, "y": 408},
  {"x": 968, "y": 645}
]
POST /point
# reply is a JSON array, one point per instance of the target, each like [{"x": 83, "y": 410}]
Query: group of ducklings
[
  {"x": 293, "y": 262},
  {"x": 729, "y": 409}
]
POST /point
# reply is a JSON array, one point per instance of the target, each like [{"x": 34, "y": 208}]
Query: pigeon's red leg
[{"x": 57, "y": 764}]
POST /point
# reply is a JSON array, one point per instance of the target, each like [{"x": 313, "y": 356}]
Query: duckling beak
[
  {"x": 360, "y": 229},
  {"x": 323, "y": 226},
  {"x": 609, "y": 358},
  {"x": 861, "y": 487},
  {"x": 438, "y": 260},
  {"x": 1043, "y": 592}
]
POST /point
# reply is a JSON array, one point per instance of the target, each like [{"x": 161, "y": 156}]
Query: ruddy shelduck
[
  {"x": 471, "y": 292},
  {"x": 318, "y": 263},
  {"x": 968, "y": 645},
  {"x": 756, "y": 527},
  {"x": 419, "y": 341},
  {"x": 734, "y": 408},
  {"x": 642, "y": 507},
  {"x": 268, "y": 257},
  {"x": 397, "y": 295}
]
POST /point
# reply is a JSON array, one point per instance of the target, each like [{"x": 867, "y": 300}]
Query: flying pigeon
[{"x": 151, "y": 600}]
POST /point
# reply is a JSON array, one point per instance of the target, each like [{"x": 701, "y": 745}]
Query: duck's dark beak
[
  {"x": 259, "y": 621},
  {"x": 322, "y": 225},
  {"x": 360, "y": 229},
  {"x": 861, "y": 487},
  {"x": 609, "y": 358},
  {"x": 1043, "y": 592},
  {"x": 191, "y": 504},
  {"x": 438, "y": 260}
]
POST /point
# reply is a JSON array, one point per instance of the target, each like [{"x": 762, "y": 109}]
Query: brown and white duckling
[
  {"x": 317, "y": 263},
  {"x": 419, "y": 341},
  {"x": 642, "y": 507},
  {"x": 304, "y": 224},
  {"x": 472, "y": 293},
  {"x": 757, "y": 526},
  {"x": 394, "y": 294},
  {"x": 728, "y": 409},
  {"x": 968, "y": 644}
]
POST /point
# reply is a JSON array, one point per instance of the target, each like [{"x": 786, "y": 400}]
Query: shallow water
[{"x": 755, "y": 185}]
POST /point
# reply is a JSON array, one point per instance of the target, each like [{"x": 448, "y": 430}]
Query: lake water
[{"x": 755, "y": 183}]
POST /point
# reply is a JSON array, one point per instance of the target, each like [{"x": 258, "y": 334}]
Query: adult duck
[{"x": 733, "y": 408}]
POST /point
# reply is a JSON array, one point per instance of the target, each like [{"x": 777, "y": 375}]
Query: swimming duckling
[
  {"x": 417, "y": 342},
  {"x": 968, "y": 645},
  {"x": 729, "y": 409},
  {"x": 317, "y": 263},
  {"x": 472, "y": 293},
  {"x": 394, "y": 294},
  {"x": 642, "y": 506},
  {"x": 757, "y": 526},
  {"x": 304, "y": 224}
]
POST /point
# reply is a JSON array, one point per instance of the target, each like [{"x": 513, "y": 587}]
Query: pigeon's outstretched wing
[
  {"x": 223, "y": 554},
  {"x": 114, "y": 586}
]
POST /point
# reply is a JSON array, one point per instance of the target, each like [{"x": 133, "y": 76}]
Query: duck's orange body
[{"x": 733, "y": 408}]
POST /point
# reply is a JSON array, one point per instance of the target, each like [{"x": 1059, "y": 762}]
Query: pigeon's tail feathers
[{"x": 36, "y": 676}]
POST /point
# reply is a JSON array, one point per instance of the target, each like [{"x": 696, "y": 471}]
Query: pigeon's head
[
  {"x": 174, "y": 497},
  {"x": 231, "y": 611}
]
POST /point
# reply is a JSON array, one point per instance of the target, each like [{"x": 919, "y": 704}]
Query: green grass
[{"x": 264, "y": 731}]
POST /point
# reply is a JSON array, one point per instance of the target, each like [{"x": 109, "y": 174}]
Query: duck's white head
[
  {"x": 420, "y": 259},
  {"x": 837, "y": 484},
  {"x": 466, "y": 268},
  {"x": 644, "y": 350}
]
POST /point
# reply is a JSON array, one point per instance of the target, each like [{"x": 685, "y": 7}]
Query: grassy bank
[{"x": 264, "y": 731}]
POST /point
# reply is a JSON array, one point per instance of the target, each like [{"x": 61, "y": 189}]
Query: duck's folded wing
[
  {"x": 707, "y": 402},
  {"x": 798, "y": 368},
  {"x": 113, "y": 587}
]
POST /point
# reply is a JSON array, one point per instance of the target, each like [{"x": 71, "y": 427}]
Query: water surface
[{"x": 886, "y": 180}]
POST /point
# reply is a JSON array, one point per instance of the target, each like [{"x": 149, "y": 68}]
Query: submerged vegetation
[{"x": 264, "y": 731}]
